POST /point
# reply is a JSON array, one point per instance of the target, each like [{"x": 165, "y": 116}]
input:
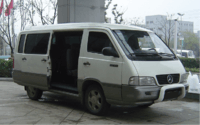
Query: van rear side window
[
  {"x": 37, "y": 43},
  {"x": 21, "y": 43}
]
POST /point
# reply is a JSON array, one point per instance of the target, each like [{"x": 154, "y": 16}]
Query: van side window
[
  {"x": 37, "y": 43},
  {"x": 97, "y": 41},
  {"x": 21, "y": 43}
]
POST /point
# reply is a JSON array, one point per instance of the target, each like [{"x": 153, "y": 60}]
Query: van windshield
[{"x": 141, "y": 43}]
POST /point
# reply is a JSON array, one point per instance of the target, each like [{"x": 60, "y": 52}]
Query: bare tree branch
[
  {"x": 166, "y": 27},
  {"x": 117, "y": 15}
]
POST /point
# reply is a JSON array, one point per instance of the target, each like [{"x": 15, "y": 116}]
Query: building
[
  {"x": 81, "y": 11},
  {"x": 198, "y": 34},
  {"x": 161, "y": 25}
]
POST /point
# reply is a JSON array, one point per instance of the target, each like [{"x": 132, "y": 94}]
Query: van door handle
[
  {"x": 86, "y": 63},
  {"x": 43, "y": 60},
  {"x": 113, "y": 65},
  {"x": 24, "y": 59}
]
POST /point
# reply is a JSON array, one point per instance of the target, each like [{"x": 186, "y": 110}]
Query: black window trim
[{"x": 19, "y": 42}]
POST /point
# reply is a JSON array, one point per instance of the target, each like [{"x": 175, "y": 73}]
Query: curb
[{"x": 6, "y": 79}]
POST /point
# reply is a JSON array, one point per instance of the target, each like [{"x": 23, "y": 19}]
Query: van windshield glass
[{"x": 143, "y": 43}]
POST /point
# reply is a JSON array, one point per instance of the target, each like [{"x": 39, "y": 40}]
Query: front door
[
  {"x": 105, "y": 69},
  {"x": 35, "y": 59}
]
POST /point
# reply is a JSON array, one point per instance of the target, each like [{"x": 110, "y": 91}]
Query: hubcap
[{"x": 94, "y": 100}]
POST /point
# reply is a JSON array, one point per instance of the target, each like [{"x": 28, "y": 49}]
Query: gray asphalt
[{"x": 17, "y": 108}]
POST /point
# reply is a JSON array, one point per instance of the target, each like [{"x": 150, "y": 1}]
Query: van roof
[{"x": 85, "y": 25}]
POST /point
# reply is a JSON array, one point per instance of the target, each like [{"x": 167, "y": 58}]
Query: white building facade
[
  {"x": 198, "y": 34},
  {"x": 160, "y": 25}
]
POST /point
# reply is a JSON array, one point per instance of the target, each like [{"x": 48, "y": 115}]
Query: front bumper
[
  {"x": 152, "y": 94},
  {"x": 173, "y": 91},
  {"x": 139, "y": 94}
]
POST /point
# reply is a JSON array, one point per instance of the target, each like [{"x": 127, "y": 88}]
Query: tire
[
  {"x": 95, "y": 101},
  {"x": 34, "y": 93},
  {"x": 145, "y": 105}
]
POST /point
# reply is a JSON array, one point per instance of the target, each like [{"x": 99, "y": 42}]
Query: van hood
[{"x": 153, "y": 68}]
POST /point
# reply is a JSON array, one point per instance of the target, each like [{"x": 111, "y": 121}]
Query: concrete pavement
[
  {"x": 17, "y": 108},
  {"x": 6, "y": 79}
]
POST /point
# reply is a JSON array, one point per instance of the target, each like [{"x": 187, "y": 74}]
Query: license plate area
[{"x": 172, "y": 94}]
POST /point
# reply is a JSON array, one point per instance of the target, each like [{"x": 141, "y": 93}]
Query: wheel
[
  {"x": 34, "y": 93},
  {"x": 95, "y": 101},
  {"x": 145, "y": 105}
]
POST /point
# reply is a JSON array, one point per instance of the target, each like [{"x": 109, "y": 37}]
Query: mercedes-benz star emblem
[{"x": 169, "y": 79}]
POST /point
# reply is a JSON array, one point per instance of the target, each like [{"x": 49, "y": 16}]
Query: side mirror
[{"x": 108, "y": 51}]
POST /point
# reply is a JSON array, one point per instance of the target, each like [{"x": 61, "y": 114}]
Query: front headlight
[
  {"x": 184, "y": 78},
  {"x": 143, "y": 81}
]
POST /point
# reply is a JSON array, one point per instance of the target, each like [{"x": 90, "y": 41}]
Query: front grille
[{"x": 162, "y": 79}]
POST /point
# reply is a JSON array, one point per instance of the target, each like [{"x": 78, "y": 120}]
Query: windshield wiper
[
  {"x": 146, "y": 54},
  {"x": 166, "y": 54},
  {"x": 153, "y": 49}
]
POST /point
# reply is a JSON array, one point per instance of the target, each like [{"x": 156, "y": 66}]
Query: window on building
[
  {"x": 151, "y": 21},
  {"x": 147, "y": 22},
  {"x": 97, "y": 41},
  {"x": 21, "y": 43},
  {"x": 37, "y": 43},
  {"x": 159, "y": 28}
]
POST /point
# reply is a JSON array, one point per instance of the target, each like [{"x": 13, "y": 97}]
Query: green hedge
[
  {"x": 190, "y": 62},
  {"x": 192, "y": 69},
  {"x": 5, "y": 68}
]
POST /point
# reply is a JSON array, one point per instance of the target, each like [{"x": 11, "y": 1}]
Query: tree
[
  {"x": 1, "y": 47},
  {"x": 44, "y": 15},
  {"x": 7, "y": 28},
  {"x": 107, "y": 5},
  {"x": 118, "y": 16},
  {"x": 27, "y": 12},
  {"x": 164, "y": 27},
  {"x": 191, "y": 42},
  {"x": 38, "y": 8},
  {"x": 136, "y": 21}
]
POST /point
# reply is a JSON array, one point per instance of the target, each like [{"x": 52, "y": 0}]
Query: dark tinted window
[
  {"x": 37, "y": 43},
  {"x": 97, "y": 41},
  {"x": 70, "y": 38},
  {"x": 21, "y": 43}
]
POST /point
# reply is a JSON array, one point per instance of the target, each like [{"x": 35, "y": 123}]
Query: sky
[{"x": 142, "y": 8}]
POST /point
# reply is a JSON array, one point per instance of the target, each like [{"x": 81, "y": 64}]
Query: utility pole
[
  {"x": 175, "y": 37},
  {"x": 182, "y": 38},
  {"x": 4, "y": 44}
]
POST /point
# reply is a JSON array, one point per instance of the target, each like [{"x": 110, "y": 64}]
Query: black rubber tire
[
  {"x": 34, "y": 93},
  {"x": 145, "y": 105},
  {"x": 101, "y": 105}
]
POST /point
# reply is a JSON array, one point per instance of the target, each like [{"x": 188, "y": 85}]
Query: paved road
[{"x": 17, "y": 108}]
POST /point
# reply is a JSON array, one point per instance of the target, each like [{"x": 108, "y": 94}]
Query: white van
[
  {"x": 186, "y": 53},
  {"x": 98, "y": 64}
]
